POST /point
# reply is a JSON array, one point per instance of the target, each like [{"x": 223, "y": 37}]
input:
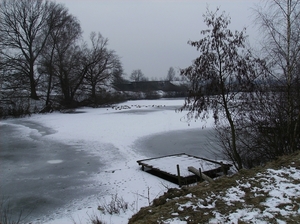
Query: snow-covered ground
[
  {"x": 110, "y": 134},
  {"x": 269, "y": 196}
]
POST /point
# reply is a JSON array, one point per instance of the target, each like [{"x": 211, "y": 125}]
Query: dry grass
[{"x": 198, "y": 204}]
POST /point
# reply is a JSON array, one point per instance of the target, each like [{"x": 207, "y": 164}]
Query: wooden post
[
  {"x": 200, "y": 174},
  {"x": 178, "y": 174},
  {"x": 195, "y": 171}
]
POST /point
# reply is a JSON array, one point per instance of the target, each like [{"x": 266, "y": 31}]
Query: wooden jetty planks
[{"x": 176, "y": 166}]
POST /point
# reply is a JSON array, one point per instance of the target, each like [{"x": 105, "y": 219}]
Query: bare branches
[
  {"x": 280, "y": 21},
  {"x": 222, "y": 77},
  {"x": 102, "y": 64},
  {"x": 137, "y": 75},
  {"x": 24, "y": 30}
]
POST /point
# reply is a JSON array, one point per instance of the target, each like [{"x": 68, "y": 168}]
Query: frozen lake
[
  {"x": 57, "y": 163},
  {"x": 39, "y": 176},
  {"x": 197, "y": 142}
]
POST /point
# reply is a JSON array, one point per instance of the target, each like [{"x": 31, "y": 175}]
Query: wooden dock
[{"x": 177, "y": 168}]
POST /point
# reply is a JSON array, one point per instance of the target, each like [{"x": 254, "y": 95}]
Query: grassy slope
[{"x": 198, "y": 204}]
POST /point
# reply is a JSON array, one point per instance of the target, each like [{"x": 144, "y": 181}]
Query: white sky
[{"x": 152, "y": 35}]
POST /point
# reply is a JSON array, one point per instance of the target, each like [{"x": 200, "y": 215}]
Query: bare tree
[
  {"x": 24, "y": 30},
  {"x": 222, "y": 79},
  {"x": 137, "y": 75},
  {"x": 71, "y": 72},
  {"x": 66, "y": 31},
  {"x": 61, "y": 57},
  {"x": 171, "y": 74},
  {"x": 100, "y": 73},
  {"x": 279, "y": 21}
]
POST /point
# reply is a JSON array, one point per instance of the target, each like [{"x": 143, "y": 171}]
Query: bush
[
  {"x": 16, "y": 108},
  {"x": 7, "y": 216},
  {"x": 115, "y": 206}
]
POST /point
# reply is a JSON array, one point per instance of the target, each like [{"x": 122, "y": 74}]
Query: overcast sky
[{"x": 152, "y": 35}]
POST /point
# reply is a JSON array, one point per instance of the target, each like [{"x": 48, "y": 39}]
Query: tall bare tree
[
  {"x": 62, "y": 38},
  {"x": 100, "y": 72},
  {"x": 279, "y": 21},
  {"x": 64, "y": 60},
  {"x": 24, "y": 29},
  {"x": 222, "y": 79}
]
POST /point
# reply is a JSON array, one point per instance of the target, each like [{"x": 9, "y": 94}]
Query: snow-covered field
[
  {"x": 110, "y": 134},
  {"x": 120, "y": 126}
]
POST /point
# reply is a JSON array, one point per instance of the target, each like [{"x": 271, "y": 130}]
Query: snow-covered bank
[{"x": 268, "y": 194}]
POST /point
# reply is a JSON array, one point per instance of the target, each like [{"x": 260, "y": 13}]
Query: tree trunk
[
  {"x": 65, "y": 88},
  {"x": 49, "y": 87},
  {"x": 33, "y": 93},
  {"x": 93, "y": 92},
  {"x": 235, "y": 153}
]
